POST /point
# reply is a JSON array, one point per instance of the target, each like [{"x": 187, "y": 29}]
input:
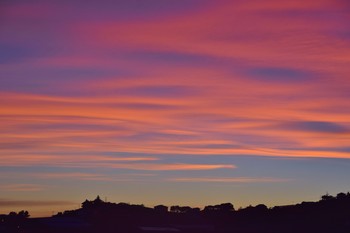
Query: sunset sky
[{"x": 188, "y": 102}]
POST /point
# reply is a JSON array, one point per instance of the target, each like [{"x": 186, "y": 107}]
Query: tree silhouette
[
  {"x": 161, "y": 208},
  {"x": 224, "y": 207},
  {"x": 341, "y": 196},
  {"x": 327, "y": 197},
  {"x": 23, "y": 214}
]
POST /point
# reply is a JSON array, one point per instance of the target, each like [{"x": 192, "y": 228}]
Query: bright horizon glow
[{"x": 189, "y": 102}]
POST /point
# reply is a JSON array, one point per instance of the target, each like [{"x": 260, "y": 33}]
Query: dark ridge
[{"x": 331, "y": 214}]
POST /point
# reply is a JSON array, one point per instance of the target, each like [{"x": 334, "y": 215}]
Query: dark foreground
[{"x": 329, "y": 215}]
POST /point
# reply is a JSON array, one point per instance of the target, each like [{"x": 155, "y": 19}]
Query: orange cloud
[{"x": 231, "y": 180}]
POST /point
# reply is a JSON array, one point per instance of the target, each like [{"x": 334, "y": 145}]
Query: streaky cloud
[
  {"x": 316, "y": 126},
  {"x": 230, "y": 179},
  {"x": 28, "y": 203},
  {"x": 173, "y": 167}
]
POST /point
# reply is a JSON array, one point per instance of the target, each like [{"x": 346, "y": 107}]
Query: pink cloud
[
  {"x": 256, "y": 35},
  {"x": 174, "y": 167}
]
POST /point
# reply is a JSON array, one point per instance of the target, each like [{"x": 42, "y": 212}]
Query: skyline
[{"x": 173, "y": 102}]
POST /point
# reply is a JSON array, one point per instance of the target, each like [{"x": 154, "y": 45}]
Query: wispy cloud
[
  {"x": 28, "y": 203},
  {"x": 93, "y": 176},
  {"x": 81, "y": 161},
  {"x": 174, "y": 167},
  {"x": 230, "y": 179},
  {"x": 69, "y": 160},
  {"x": 21, "y": 187}
]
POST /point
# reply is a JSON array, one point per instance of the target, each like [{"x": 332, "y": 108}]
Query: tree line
[{"x": 329, "y": 214}]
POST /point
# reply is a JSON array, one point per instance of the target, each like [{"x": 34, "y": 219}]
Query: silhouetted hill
[{"x": 330, "y": 214}]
